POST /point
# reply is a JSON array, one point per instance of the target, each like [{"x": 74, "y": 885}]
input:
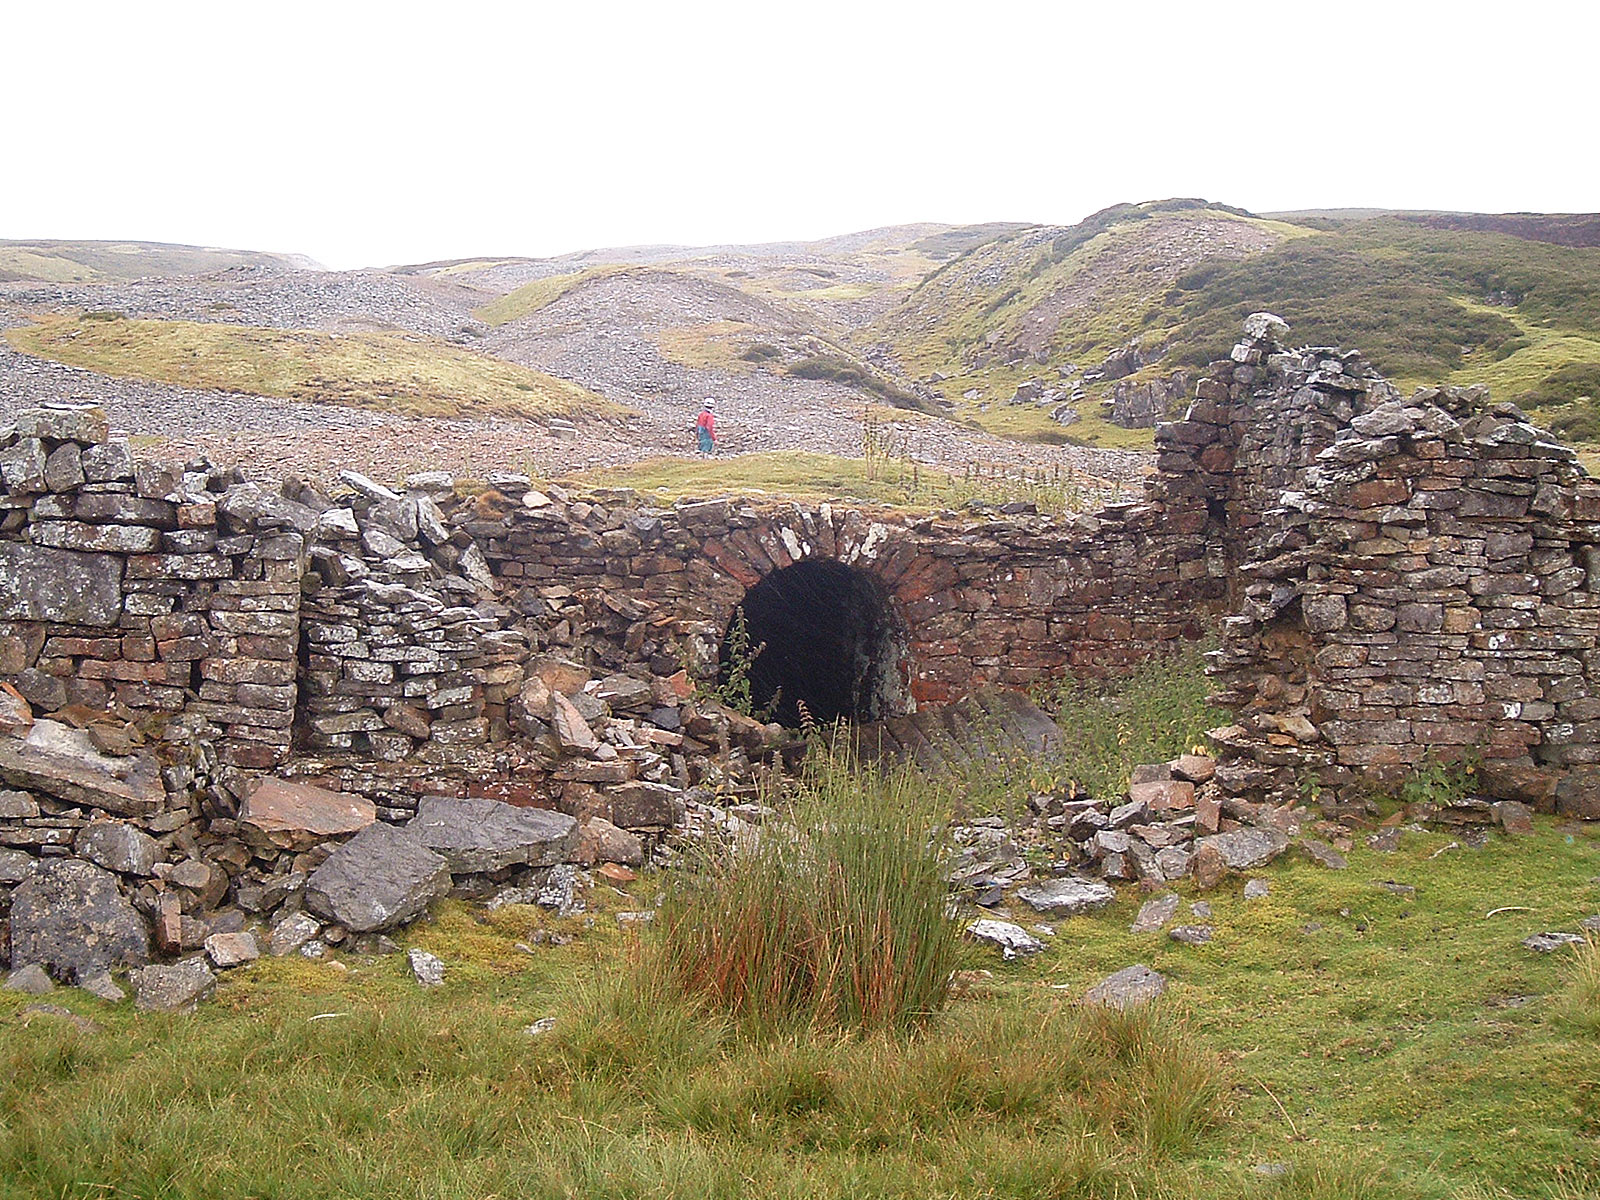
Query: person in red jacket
[{"x": 705, "y": 428}]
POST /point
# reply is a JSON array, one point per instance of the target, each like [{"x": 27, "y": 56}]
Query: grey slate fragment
[
  {"x": 171, "y": 987},
  {"x": 71, "y": 918},
  {"x": 1323, "y": 853},
  {"x": 1130, "y": 987},
  {"x": 292, "y": 932},
  {"x": 1190, "y": 935},
  {"x": 15, "y": 865},
  {"x": 380, "y": 878},
  {"x": 232, "y": 949},
  {"x": 1546, "y": 943},
  {"x": 1067, "y": 897},
  {"x": 486, "y": 835},
  {"x": 118, "y": 846},
  {"x": 103, "y": 987},
  {"x": 1155, "y": 913},
  {"x": 1012, "y": 940},
  {"x": 31, "y": 980},
  {"x": 1247, "y": 849},
  {"x": 427, "y": 968}
]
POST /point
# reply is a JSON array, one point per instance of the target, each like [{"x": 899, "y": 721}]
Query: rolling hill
[
  {"x": 52, "y": 261},
  {"x": 1137, "y": 293}
]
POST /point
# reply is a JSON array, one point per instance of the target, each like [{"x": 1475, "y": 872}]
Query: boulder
[
  {"x": 71, "y": 918},
  {"x": 1246, "y": 849},
  {"x": 172, "y": 987},
  {"x": 62, "y": 762},
  {"x": 232, "y": 949},
  {"x": 118, "y": 846},
  {"x": 292, "y": 932},
  {"x": 599, "y": 841},
  {"x": 1131, "y": 987},
  {"x": 380, "y": 878},
  {"x": 295, "y": 816},
  {"x": 572, "y": 731},
  {"x": 644, "y": 805},
  {"x": 1161, "y": 796},
  {"x": 1067, "y": 897},
  {"x": 86, "y": 423},
  {"x": 1208, "y": 866},
  {"x": 486, "y": 835}
]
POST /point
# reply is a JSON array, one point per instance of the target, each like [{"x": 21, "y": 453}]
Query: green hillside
[{"x": 1428, "y": 297}]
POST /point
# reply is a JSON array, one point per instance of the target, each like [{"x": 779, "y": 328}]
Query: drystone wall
[
  {"x": 1012, "y": 600},
  {"x": 1427, "y": 588},
  {"x": 208, "y": 684}
]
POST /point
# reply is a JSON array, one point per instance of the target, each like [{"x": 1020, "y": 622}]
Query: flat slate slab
[
  {"x": 380, "y": 878},
  {"x": 1012, "y": 940},
  {"x": 1067, "y": 897},
  {"x": 486, "y": 835},
  {"x": 61, "y": 761},
  {"x": 1246, "y": 849},
  {"x": 288, "y": 812},
  {"x": 43, "y": 583},
  {"x": 1155, "y": 913}
]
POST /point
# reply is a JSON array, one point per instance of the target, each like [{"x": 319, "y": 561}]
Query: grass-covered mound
[{"x": 404, "y": 373}]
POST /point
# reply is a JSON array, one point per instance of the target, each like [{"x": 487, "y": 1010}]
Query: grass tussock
[
  {"x": 404, "y": 373},
  {"x": 1577, "y": 1006},
  {"x": 833, "y": 917}
]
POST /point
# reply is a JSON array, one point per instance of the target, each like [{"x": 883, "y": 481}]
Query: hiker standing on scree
[{"x": 705, "y": 428}]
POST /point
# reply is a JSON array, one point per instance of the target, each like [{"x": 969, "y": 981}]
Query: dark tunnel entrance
[{"x": 828, "y": 640}]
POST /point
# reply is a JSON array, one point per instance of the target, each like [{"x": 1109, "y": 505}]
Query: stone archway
[{"x": 823, "y": 639}]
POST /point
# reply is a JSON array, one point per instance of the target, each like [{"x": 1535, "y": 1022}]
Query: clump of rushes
[
  {"x": 1578, "y": 1005},
  {"x": 833, "y": 917}
]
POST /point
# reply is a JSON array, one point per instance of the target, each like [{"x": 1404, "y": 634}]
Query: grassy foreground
[
  {"x": 1376, "y": 1032},
  {"x": 408, "y": 373},
  {"x": 1379, "y": 1045}
]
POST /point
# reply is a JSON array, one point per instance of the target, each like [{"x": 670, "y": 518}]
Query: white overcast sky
[{"x": 368, "y": 134}]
